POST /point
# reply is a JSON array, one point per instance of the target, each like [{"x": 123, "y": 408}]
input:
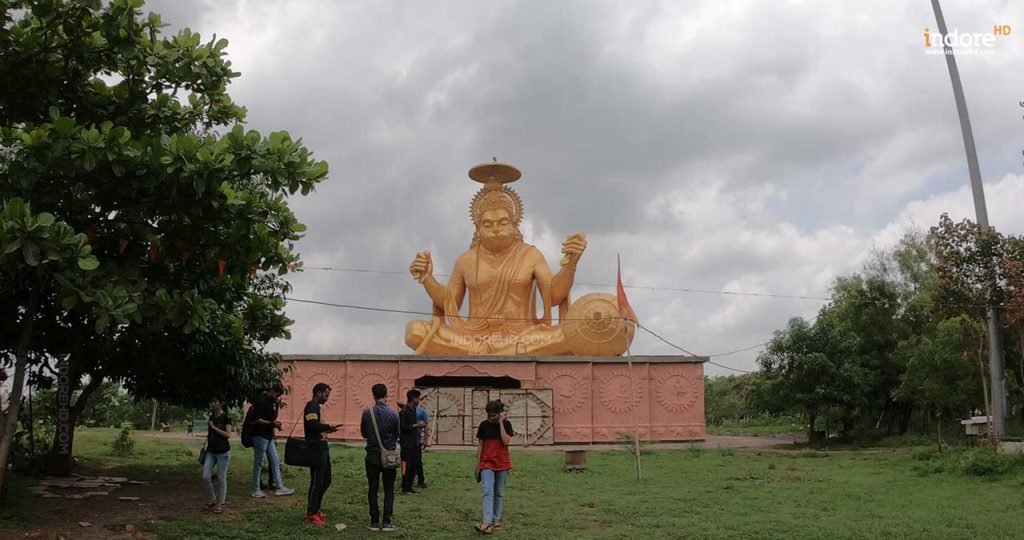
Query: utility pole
[{"x": 995, "y": 345}]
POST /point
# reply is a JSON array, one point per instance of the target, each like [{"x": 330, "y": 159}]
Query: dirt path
[{"x": 165, "y": 497}]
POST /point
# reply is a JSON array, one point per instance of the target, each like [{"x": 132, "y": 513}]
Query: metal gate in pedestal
[{"x": 455, "y": 414}]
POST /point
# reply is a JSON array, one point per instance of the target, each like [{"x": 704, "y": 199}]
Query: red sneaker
[
  {"x": 315, "y": 519},
  {"x": 322, "y": 515}
]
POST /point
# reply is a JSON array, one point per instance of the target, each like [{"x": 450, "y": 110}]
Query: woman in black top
[{"x": 218, "y": 452}]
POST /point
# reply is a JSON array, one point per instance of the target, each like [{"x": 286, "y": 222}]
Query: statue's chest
[{"x": 484, "y": 275}]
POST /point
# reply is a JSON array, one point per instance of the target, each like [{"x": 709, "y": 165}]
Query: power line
[
  {"x": 424, "y": 313},
  {"x": 745, "y": 349},
  {"x": 713, "y": 363},
  {"x": 1001, "y": 306},
  {"x": 591, "y": 284}
]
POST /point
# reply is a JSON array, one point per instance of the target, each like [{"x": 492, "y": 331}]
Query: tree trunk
[
  {"x": 810, "y": 429},
  {"x": 939, "y": 430},
  {"x": 152, "y": 418},
  {"x": 9, "y": 419},
  {"x": 61, "y": 453},
  {"x": 906, "y": 414}
]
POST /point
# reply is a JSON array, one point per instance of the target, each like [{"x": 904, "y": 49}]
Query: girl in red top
[{"x": 493, "y": 463}]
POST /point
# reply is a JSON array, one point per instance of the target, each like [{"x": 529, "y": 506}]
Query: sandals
[
  {"x": 219, "y": 509},
  {"x": 210, "y": 506},
  {"x": 498, "y": 525},
  {"x": 483, "y": 528}
]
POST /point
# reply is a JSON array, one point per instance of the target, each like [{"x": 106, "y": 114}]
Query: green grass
[{"x": 892, "y": 493}]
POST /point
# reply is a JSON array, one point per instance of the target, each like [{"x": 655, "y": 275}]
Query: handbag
[
  {"x": 303, "y": 453},
  {"x": 202, "y": 455},
  {"x": 389, "y": 459}
]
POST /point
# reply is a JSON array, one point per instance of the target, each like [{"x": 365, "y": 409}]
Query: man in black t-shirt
[
  {"x": 412, "y": 454},
  {"x": 320, "y": 473},
  {"x": 263, "y": 425}
]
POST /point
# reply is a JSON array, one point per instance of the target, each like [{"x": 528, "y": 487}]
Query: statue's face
[{"x": 496, "y": 230}]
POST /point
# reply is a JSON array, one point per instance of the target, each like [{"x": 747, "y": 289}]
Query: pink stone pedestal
[{"x": 591, "y": 397}]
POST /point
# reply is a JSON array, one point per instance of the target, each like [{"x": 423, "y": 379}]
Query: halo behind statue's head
[{"x": 495, "y": 195}]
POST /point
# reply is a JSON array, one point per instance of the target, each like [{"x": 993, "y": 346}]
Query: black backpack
[{"x": 247, "y": 428}]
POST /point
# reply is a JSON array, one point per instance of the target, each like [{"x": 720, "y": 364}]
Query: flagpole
[
  {"x": 628, "y": 316},
  {"x": 636, "y": 405}
]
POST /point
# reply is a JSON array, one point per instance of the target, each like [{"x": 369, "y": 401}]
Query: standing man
[
  {"x": 320, "y": 472},
  {"x": 263, "y": 426},
  {"x": 412, "y": 456},
  {"x": 388, "y": 425},
  {"x": 424, "y": 440}
]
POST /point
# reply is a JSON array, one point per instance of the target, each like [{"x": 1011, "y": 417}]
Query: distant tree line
[
  {"x": 903, "y": 338},
  {"x": 112, "y": 406}
]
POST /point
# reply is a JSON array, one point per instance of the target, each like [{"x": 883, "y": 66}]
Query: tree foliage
[
  {"x": 901, "y": 337},
  {"x": 940, "y": 371},
  {"x": 728, "y": 398},
  {"x": 813, "y": 369},
  {"x": 131, "y": 139}
]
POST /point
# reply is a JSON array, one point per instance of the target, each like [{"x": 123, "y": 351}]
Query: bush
[
  {"x": 926, "y": 455},
  {"x": 928, "y": 462},
  {"x": 29, "y": 457},
  {"x": 986, "y": 462},
  {"x": 123, "y": 445}
]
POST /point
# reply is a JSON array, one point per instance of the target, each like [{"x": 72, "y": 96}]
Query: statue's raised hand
[
  {"x": 573, "y": 248},
  {"x": 422, "y": 266}
]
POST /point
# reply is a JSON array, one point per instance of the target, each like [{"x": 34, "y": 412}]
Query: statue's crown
[{"x": 495, "y": 195}]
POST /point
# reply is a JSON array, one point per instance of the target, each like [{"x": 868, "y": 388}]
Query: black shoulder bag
[{"x": 303, "y": 453}]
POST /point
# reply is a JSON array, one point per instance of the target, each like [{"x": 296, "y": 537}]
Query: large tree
[
  {"x": 977, "y": 270},
  {"x": 131, "y": 138},
  {"x": 1013, "y": 306},
  {"x": 815, "y": 370},
  {"x": 940, "y": 375},
  {"x": 869, "y": 307}
]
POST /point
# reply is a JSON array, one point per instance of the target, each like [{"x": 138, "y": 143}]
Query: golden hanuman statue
[{"x": 504, "y": 277}]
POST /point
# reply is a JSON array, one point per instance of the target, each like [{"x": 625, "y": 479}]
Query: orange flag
[{"x": 625, "y": 310}]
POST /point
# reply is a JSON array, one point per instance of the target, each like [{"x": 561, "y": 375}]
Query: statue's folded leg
[
  {"x": 542, "y": 341},
  {"x": 443, "y": 340}
]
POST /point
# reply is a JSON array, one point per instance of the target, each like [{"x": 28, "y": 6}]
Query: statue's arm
[
  {"x": 561, "y": 283},
  {"x": 542, "y": 274},
  {"x": 457, "y": 283},
  {"x": 436, "y": 290}
]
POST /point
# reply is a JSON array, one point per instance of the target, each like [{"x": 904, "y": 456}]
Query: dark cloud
[{"x": 753, "y": 146}]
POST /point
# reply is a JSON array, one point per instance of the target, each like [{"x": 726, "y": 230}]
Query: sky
[{"x": 739, "y": 146}]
